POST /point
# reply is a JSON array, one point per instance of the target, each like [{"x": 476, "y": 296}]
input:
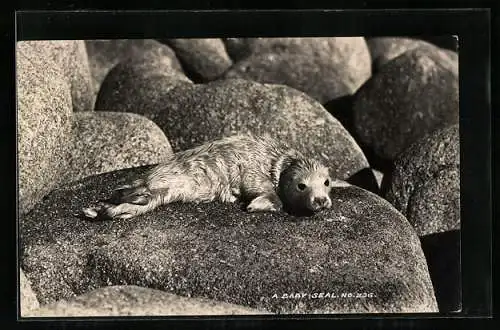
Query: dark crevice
[{"x": 442, "y": 252}]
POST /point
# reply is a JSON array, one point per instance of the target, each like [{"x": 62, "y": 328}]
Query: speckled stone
[
  {"x": 109, "y": 141},
  {"x": 323, "y": 81},
  {"x": 425, "y": 184},
  {"x": 139, "y": 83},
  {"x": 44, "y": 124},
  {"x": 71, "y": 58},
  {"x": 361, "y": 246},
  {"x": 105, "y": 54},
  {"x": 194, "y": 114},
  {"x": 131, "y": 300},
  {"x": 329, "y": 63},
  {"x": 411, "y": 96},
  {"x": 203, "y": 59},
  {"x": 28, "y": 300},
  {"x": 384, "y": 49}
]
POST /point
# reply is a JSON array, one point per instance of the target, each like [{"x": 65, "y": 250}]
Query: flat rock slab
[
  {"x": 109, "y": 141},
  {"x": 425, "y": 183},
  {"x": 409, "y": 97},
  {"x": 361, "y": 252},
  {"x": 131, "y": 300}
]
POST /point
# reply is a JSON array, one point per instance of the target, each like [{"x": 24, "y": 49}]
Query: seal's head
[{"x": 305, "y": 184}]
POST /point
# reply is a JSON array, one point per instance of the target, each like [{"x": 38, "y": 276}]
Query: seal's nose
[{"x": 319, "y": 202}]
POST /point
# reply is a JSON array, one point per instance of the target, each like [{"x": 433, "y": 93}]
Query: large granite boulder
[
  {"x": 191, "y": 115},
  {"x": 425, "y": 183},
  {"x": 425, "y": 187},
  {"x": 44, "y": 124},
  {"x": 140, "y": 83},
  {"x": 411, "y": 96},
  {"x": 322, "y": 81},
  {"x": 359, "y": 256},
  {"x": 108, "y": 141},
  {"x": 70, "y": 57},
  {"x": 131, "y": 300},
  {"x": 384, "y": 49},
  {"x": 324, "y": 68},
  {"x": 202, "y": 59},
  {"x": 105, "y": 54}
]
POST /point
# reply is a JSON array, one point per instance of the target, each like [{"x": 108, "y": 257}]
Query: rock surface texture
[
  {"x": 411, "y": 96},
  {"x": 28, "y": 301},
  {"x": 324, "y": 68},
  {"x": 425, "y": 184},
  {"x": 202, "y": 59},
  {"x": 105, "y": 54},
  {"x": 108, "y": 141},
  {"x": 362, "y": 246},
  {"x": 44, "y": 110},
  {"x": 131, "y": 300},
  {"x": 191, "y": 115},
  {"x": 139, "y": 83},
  {"x": 70, "y": 58},
  {"x": 384, "y": 49}
]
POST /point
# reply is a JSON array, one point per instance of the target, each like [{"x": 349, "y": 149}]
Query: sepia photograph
[{"x": 238, "y": 176}]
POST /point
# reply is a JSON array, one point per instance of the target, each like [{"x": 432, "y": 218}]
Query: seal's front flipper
[{"x": 265, "y": 203}]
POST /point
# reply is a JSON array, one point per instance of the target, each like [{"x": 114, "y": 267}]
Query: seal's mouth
[{"x": 319, "y": 203}]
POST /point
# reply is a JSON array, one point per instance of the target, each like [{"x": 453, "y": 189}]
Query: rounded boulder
[
  {"x": 139, "y": 83},
  {"x": 105, "y": 54},
  {"x": 361, "y": 255},
  {"x": 195, "y": 114},
  {"x": 325, "y": 68},
  {"x": 109, "y": 141},
  {"x": 425, "y": 183},
  {"x": 203, "y": 59},
  {"x": 411, "y": 96}
]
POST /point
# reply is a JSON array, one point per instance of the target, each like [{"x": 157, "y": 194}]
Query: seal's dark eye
[
  {"x": 301, "y": 186},
  {"x": 327, "y": 182}
]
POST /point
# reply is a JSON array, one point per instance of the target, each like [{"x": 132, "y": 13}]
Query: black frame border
[{"x": 471, "y": 25}]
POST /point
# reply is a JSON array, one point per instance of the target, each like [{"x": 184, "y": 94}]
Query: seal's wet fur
[{"x": 260, "y": 170}]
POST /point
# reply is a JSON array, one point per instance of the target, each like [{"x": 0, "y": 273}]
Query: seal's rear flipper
[
  {"x": 97, "y": 212},
  {"x": 90, "y": 212},
  {"x": 106, "y": 211},
  {"x": 133, "y": 195}
]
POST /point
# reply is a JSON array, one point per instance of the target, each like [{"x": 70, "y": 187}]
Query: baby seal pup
[{"x": 256, "y": 169}]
